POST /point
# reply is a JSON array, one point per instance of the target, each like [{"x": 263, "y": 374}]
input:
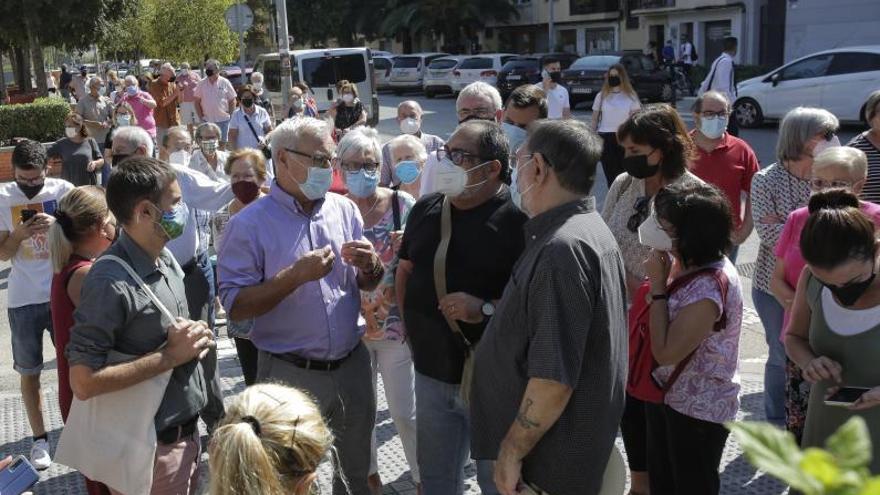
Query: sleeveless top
[
  {"x": 62, "y": 309},
  {"x": 857, "y": 355}
]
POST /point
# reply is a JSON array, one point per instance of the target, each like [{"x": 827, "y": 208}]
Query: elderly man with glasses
[{"x": 295, "y": 262}]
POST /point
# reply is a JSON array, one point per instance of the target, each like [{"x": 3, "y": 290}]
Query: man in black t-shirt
[{"x": 486, "y": 240}]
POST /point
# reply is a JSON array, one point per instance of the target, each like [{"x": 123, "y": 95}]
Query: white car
[
  {"x": 438, "y": 79},
  {"x": 837, "y": 80},
  {"x": 409, "y": 70},
  {"x": 382, "y": 70},
  {"x": 484, "y": 67}
]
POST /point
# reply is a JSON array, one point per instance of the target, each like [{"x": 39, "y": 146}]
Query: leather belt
[
  {"x": 174, "y": 434},
  {"x": 314, "y": 364}
]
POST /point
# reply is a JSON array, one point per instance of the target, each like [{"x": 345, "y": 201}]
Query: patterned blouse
[
  {"x": 379, "y": 306},
  {"x": 708, "y": 387},
  {"x": 776, "y": 192}
]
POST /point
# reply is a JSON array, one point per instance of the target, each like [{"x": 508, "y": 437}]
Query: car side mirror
[{"x": 775, "y": 78}]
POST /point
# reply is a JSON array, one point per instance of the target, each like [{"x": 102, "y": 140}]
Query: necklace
[{"x": 375, "y": 203}]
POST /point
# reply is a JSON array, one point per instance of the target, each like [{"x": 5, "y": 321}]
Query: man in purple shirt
[{"x": 295, "y": 262}]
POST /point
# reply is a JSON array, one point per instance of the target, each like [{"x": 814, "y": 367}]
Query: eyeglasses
[
  {"x": 456, "y": 156},
  {"x": 822, "y": 184},
  {"x": 356, "y": 166},
  {"x": 712, "y": 115},
  {"x": 480, "y": 113},
  {"x": 318, "y": 160},
  {"x": 641, "y": 213}
]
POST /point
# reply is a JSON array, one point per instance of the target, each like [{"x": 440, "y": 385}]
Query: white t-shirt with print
[
  {"x": 31, "y": 275},
  {"x": 557, "y": 100},
  {"x": 259, "y": 120},
  {"x": 616, "y": 108}
]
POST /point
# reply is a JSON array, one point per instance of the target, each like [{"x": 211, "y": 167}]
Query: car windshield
[
  {"x": 596, "y": 62},
  {"x": 476, "y": 63},
  {"x": 442, "y": 63},
  {"x": 325, "y": 71},
  {"x": 520, "y": 64},
  {"x": 406, "y": 62}
]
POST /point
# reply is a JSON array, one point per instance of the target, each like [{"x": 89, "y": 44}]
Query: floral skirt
[{"x": 797, "y": 396}]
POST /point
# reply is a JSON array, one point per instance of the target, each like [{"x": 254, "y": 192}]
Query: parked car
[
  {"x": 409, "y": 70},
  {"x": 382, "y": 70},
  {"x": 526, "y": 69},
  {"x": 483, "y": 67},
  {"x": 233, "y": 73},
  {"x": 838, "y": 80},
  {"x": 438, "y": 79},
  {"x": 320, "y": 69},
  {"x": 586, "y": 76}
]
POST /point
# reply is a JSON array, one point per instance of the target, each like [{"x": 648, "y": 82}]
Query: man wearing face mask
[
  {"x": 295, "y": 261},
  {"x": 261, "y": 97},
  {"x": 79, "y": 83},
  {"x": 95, "y": 109},
  {"x": 725, "y": 161},
  {"x": 475, "y": 253},
  {"x": 200, "y": 194},
  {"x": 187, "y": 82},
  {"x": 409, "y": 117},
  {"x": 558, "y": 106},
  {"x": 167, "y": 95},
  {"x": 26, "y": 207},
  {"x": 215, "y": 99},
  {"x": 116, "y": 314},
  {"x": 558, "y": 338}
]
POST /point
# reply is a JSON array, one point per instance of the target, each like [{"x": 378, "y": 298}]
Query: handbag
[
  {"x": 111, "y": 437},
  {"x": 641, "y": 383},
  {"x": 467, "y": 372}
]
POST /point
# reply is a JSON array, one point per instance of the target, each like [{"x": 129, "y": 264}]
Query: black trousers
[
  {"x": 634, "y": 429},
  {"x": 685, "y": 452},
  {"x": 247, "y": 357},
  {"x": 612, "y": 157},
  {"x": 733, "y": 126}
]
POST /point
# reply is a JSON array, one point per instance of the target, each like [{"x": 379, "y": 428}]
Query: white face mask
[
  {"x": 824, "y": 144},
  {"x": 653, "y": 236},
  {"x": 409, "y": 125},
  {"x": 451, "y": 180},
  {"x": 714, "y": 127},
  {"x": 258, "y": 86},
  {"x": 71, "y": 132},
  {"x": 348, "y": 97},
  {"x": 181, "y": 158}
]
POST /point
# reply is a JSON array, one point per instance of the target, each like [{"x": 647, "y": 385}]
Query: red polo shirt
[{"x": 729, "y": 167}]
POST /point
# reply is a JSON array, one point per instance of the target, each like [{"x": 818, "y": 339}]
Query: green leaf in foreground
[
  {"x": 775, "y": 452},
  {"x": 851, "y": 444}
]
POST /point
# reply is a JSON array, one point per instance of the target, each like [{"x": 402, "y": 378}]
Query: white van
[
  {"x": 409, "y": 70},
  {"x": 320, "y": 69}
]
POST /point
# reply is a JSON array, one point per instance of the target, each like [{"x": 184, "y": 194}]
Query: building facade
[{"x": 815, "y": 25}]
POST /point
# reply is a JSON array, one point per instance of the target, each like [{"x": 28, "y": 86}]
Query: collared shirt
[
  {"x": 730, "y": 167},
  {"x": 215, "y": 98},
  {"x": 187, "y": 82},
  {"x": 116, "y": 316},
  {"x": 95, "y": 110},
  {"x": 320, "y": 319},
  {"x": 389, "y": 178},
  {"x": 165, "y": 116},
  {"x": 562, "y": 318},
  {"x": 721, "y": 77},
  {"x": 199, "y": 193},
  {"x": 486, "y": 242}
]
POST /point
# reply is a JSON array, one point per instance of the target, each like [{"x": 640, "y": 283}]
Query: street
[{"x": 440, "y": 119}]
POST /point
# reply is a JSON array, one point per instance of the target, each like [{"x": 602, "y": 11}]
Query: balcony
[
  {"x": 586, "y": 7},
  {"x": 643, "y": 5}
]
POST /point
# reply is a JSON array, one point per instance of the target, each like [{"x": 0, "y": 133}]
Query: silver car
[
  {"x": 409, "y": 70},
  {"x": 438, "y": 79}
]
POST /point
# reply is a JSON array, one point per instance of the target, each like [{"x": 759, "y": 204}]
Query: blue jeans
[
  {"x": 224, "y": 130},
  {"x": 772, "y": 314},
  {"x": 26, "y": 324},
  {"x": 444, "y": 436}
]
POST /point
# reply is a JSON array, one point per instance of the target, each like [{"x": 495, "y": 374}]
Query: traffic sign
[{"x": 239, "y": 17}]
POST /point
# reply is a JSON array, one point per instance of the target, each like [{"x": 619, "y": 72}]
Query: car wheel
[
  {"x": 747, "y": 113},
  {"x": 429, "y": 94}
]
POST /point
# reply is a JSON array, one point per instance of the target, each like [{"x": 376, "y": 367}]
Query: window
[
  {"x": 443, "y": 63},
  {"x": 476, "y": 63},
  {"x": 850, "y": 63},
  {"x": 599, "y": 40},
  {"x": 407, "y": 62},
  {"x": 582, "y": 7},
  {"x": 521, "y": 64},
  {"x": 381, "y": 64},
  {"x": 599, "y": 62},
  {"x": 325, "y": 71},
  {"x": 812, "y": 67},
  {"x": 272, "y": 75},
  {"x": 506, "y": 59}
]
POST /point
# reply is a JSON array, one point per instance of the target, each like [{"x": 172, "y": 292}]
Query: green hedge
[{"x": 42, "y": 120}]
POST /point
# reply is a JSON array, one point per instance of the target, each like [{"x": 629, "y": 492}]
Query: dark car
[
  {"x": 586, "y": 75},
  {"x": 527, "y": 70}
]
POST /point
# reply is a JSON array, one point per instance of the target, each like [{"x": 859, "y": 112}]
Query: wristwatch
[{"x": 488, "y": 309}]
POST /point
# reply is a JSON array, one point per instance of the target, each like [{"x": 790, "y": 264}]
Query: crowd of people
[{"x": 516, "y": 318}]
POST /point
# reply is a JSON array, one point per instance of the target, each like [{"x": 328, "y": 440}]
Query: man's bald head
[{"x": 409, "y": 109}]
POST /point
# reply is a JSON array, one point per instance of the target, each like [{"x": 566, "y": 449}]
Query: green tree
[
  {"x": 191, "y": 30},
  {"x": 127, "y": 36}
]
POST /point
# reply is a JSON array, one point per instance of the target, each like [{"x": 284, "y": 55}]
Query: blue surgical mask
[
  {"x": 713, "y": 127},
  {"x": 361, "y": 183},
  {"x": 174, "y": 222},
  {"x": 515, "y": 135},
  {"x": 408, "y": 171},
  {"x": 132, "y": 90},
  {"x": 123, "y": 120},
  {"x": 317, "y": 183},
  {"x": 515, "y": 195}
]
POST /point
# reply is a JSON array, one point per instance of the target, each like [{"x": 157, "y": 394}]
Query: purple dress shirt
[{"x": 320, "y": 319}]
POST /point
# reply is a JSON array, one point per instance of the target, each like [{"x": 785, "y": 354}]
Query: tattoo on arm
[{"x": 523, "y": 419}]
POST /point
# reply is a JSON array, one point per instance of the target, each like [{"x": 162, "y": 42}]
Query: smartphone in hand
[
  {"x": 18, "y": 477},
  {"x": 845, "y": 396},
  {"x": 27, "y": 215}
]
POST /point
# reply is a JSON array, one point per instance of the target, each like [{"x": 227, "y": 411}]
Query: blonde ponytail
[
  {"x": 80, "y": 210},
  {"x": 272, "y": 438}
]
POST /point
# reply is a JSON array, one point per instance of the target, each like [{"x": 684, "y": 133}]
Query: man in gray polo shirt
[
  {"x": 550, "y": 371},
  {"x": 115, "y": 314}
]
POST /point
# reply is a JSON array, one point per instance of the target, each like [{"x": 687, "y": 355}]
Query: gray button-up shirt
[
  {"x": 116, "y": 316},
  {"x": 562, "y": 318}
]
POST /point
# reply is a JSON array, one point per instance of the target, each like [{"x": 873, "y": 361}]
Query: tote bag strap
[
  {"x": 141, "y": 284},
  {"x": 440, "y": 263}
]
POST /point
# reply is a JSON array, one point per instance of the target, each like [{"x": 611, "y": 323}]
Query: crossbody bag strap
[
  {"x": 246, "y": 119},
  {"x": 440, "y": 262},
  {"x": 395, "y": 209},
  {"x": 712, "y": 73}
]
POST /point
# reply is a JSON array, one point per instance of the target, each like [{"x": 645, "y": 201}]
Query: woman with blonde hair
[
  {"x": 611, "y": 108},
  {"x": 83, "y": 229},
  {"x": 348, "y": 111},
  {"x": 270, "y": 442}
]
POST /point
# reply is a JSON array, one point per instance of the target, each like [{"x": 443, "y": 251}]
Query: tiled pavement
[{"x": 738, "y": 477}]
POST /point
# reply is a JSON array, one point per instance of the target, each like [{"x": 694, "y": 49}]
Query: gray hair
[
  {"x": 130, "y": 79},
  {"x": 412, "y": 142},
  {"x": 178, "y": 129},
  {"x": 289, "y": 133},
  {"x": 411, "y": 103},
  {"x": 167, "y": 66},
  {"x": 257, "y": 75},
  {"x": 184, "y": 65},
  {"x": 212, "y": 63},
  {"x": 717, "y": 95},
  {"x": 799, "y": 126},
  {"x": 570, "y": 148},
  {"x": 359, "y": 139},
  {"x": 480, "y": 89},
  {"x": 207, "y": 126},
  {"x": 93, "y": 80},
  {"x": 852, "y": 159},
  {"x": 131, "y": 138}
]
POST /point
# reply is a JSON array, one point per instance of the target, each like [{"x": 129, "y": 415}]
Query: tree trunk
[
  {"x": 22, "y": 69},
  {"x": 36, "y": 57},
  {"x": 2, "y": 81}
]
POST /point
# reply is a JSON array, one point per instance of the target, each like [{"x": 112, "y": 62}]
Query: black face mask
[
  {"x": 172, "y": 79},
  {"x": 120, "y": 157},
  {"x": 247, "y": 102},
  {"x": 82, "y": 74},
  {"x": 556, "y": 76},
  {"x": 850, "y": 293},
  {"x": 210, "y": 72},
  {"x": 614, "y": 81},
  {"x": 638, "y": 167},
  {"x": 30, "y": 191}
]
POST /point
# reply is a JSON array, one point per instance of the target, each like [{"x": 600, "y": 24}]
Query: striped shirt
[{"x": 871, "y": 191}]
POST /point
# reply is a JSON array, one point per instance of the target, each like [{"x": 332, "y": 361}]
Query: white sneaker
[{"x": 40, "y": 457}]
